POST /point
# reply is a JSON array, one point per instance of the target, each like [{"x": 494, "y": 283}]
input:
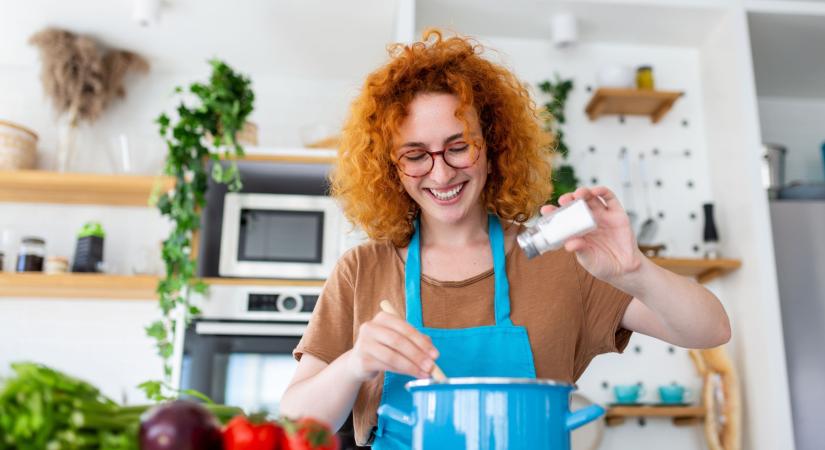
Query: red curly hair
[{"x": 365, "y": 179}]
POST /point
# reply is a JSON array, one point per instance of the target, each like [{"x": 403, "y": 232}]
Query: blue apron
[{"x": 500, "y": 350}]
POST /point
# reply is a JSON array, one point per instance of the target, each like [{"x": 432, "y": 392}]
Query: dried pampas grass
[{"x": 79, "y": 76}]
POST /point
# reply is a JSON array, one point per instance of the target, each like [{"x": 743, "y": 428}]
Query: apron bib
[{"x": 500, "y": 350}]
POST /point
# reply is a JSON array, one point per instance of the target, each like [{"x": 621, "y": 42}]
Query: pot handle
[
  {"x": 396, "y": 415},
  {"x": 583, "y": 416}
]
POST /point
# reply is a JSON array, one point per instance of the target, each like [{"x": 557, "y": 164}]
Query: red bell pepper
[
  {"x": 242, "y": 433},
  {"x": 309, "y": 434}
]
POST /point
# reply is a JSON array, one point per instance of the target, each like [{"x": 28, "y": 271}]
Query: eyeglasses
[{"x": 417, "y": 163}]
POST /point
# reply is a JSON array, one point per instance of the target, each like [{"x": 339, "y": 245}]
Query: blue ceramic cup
[
  {"x": 628, "y": 393},
  {"x": 673, "y": 394}
]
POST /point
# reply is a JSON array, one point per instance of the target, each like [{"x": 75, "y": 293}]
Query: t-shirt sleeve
[
  {"x": 329, "y": 333},
  {"x": 604, "y": 306}
]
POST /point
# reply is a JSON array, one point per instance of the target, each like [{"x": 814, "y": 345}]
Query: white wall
[
  {"x": 303, "y": 74},
  {"x": 799, "y": 125},
  {"x": 646, "y": 360},
  {"x": 734, "y": 156}
]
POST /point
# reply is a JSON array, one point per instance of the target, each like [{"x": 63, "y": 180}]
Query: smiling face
[{"x": 445, "y": 194}]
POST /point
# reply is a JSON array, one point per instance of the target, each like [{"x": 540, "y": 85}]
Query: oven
[{"x": 239, "y": 350}]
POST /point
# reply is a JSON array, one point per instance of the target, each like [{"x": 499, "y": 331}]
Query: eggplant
[{"x": 179, "y": 425}]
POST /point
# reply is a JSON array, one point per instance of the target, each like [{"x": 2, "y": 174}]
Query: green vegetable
[{"x": 44, "y": 409}]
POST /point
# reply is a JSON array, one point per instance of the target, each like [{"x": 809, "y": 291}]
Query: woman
[{"x": 442, "y": 158}]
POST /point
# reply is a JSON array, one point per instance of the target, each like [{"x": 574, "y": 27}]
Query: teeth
[{"x": 447, "y": 195}]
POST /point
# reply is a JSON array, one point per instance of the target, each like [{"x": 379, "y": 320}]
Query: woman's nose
[{"x": 442, "y": 172}]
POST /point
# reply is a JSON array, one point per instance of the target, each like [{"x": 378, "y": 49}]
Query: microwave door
[{"x": 241, "y": 364}]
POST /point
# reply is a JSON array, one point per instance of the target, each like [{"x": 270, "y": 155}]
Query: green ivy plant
[
  {"x": 563, "y": 176},
  {"x": 205, "y": 126}
]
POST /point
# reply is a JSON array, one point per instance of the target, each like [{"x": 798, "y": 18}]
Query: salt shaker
[{"x": 551, "y": 231}]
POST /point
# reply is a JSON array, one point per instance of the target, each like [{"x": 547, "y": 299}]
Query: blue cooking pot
[{"x": 490, "y": 414}]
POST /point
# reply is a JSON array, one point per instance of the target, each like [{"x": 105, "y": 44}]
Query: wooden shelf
[
  {"x": 637, "y": 102},
  {"x": 82, "y": 285},
  {"x": 87, "y": 285},
  {"x": 289, "y": 155},
  {"x": 681, "y": 415},
  {"x": 262, "y": 282},
  {"x": 36, "y": 186},
  {"x": 78, "y": 285},
  {"x": 704, "y": 270}
]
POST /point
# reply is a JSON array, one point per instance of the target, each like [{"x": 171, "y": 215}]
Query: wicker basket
[{"x": 18, "y": 147}]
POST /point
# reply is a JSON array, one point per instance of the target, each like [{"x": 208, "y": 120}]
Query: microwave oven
[
  {"x": 281, "y": 225},
  {"x": 282, "y": 236}
]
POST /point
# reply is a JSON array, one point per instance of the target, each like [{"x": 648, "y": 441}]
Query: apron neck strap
[
  {"x": 502, "y": 286},
  {"x": 412, "y": 275}
]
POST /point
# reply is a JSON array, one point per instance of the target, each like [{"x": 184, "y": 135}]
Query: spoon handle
[{"x": 436, "y": 371}]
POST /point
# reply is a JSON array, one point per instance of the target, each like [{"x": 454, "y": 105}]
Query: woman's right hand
[{"x": 389, "y": 343}]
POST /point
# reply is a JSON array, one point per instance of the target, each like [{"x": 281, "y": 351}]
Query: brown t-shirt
[{"x": 570, "y": 315}]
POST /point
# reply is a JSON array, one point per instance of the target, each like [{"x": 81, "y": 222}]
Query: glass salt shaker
[{"x": 551, "y": 231}]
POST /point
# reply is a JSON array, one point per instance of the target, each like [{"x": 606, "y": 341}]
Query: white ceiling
[
  {"x": 290, "y": 38},
  {"x": 599, "y": 21},
  {"x": 788, "y": 55}
]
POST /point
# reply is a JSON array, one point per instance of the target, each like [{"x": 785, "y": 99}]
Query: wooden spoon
[{"x": 436, "y": 372}]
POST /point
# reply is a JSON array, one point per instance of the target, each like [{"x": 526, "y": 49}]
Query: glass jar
[
  {"x": 56, "y": 265},
  {"x": 31, "y": 254},
  {"x": 644, "y": 77}
]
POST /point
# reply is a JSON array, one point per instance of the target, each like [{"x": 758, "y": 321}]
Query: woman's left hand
[{"x": 610, "y": 251}]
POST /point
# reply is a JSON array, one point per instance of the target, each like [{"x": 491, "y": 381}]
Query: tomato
[
  {"x": 310, "y": 434},
  {"x": 242, "y": 433}
]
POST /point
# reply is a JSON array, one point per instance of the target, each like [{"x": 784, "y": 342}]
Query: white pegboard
[{"x": 677, "y": 164}]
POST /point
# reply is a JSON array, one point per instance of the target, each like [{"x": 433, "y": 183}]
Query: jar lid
[
  {"x": 641, "y": 68},
  {"x": 58, "y": 259},
  {"x": 33, "y": 240}
]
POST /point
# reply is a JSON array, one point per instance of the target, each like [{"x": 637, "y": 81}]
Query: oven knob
[{"x": 290, "y": 303}]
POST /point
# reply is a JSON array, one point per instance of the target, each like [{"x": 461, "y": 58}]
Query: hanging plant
[
  {"x": 196, "y": 135},
  {"x": 563, "y": 175}
]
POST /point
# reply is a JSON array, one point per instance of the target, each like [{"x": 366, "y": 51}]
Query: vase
[{"x": 66, "y": 144}]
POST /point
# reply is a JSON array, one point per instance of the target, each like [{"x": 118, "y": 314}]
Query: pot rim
[{"x": 487, "y": 381}]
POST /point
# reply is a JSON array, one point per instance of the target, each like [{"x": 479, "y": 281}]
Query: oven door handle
[{"x": 249, "y": 329}]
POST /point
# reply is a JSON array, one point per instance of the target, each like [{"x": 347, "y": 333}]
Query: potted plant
[
  {"x": 563, "y": 175},
  {"x": 82, "y": 79},
  {"x": 205, "y": 126}
]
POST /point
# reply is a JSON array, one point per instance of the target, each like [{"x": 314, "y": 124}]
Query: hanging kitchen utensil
[
  {"x": 627, "y": 191},
  {"x": 648, "y": 229},
  {"x": 436, "y": 372}
]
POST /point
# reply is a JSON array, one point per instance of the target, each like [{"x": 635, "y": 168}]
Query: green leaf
[{"x": 153, "y": 390}]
